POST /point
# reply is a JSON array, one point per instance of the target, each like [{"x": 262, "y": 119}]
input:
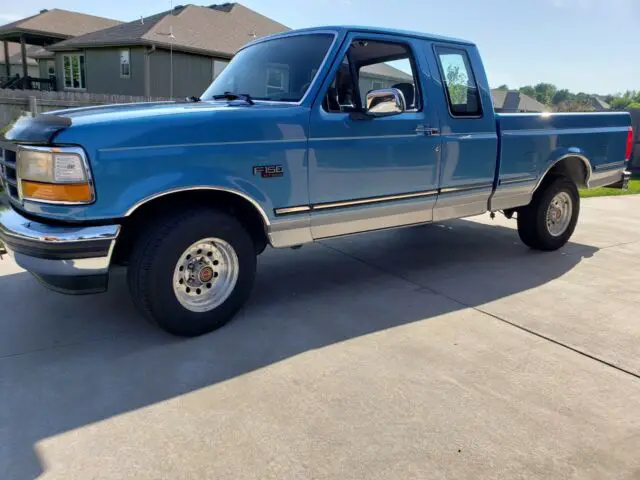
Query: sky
[{"x": 582, "y": 45}]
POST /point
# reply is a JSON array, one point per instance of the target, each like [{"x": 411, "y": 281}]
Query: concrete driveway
[{"x": 434, "y": 352}]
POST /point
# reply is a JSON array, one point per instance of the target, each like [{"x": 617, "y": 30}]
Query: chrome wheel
[
  {"x": 559, "y": 214},
  {"x": 205, "y": 275}
]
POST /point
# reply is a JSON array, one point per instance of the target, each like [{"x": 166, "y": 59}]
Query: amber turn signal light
[{"x": 71, "y": 192}]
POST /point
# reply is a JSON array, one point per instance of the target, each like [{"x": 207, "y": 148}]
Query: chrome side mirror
[{"x": 385, "y": 102}]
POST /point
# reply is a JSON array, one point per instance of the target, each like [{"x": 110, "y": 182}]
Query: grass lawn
[{"x": 634, "y": 188}]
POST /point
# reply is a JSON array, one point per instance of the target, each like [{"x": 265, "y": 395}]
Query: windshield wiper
[{"x": 234, "y": 96}]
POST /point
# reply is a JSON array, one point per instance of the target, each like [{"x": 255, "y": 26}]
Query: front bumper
[{"x": 67, "y": 259}]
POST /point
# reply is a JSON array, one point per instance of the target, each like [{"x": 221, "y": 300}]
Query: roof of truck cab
[{"x": 379, "y": 30}]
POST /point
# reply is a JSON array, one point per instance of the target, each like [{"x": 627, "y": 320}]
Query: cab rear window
[{"x": 459, "y": 81}]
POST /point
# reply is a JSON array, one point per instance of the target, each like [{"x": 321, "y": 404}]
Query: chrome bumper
[{"x": 68, "y": 259}]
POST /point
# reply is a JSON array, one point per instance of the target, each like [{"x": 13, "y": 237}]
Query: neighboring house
[
  {"x": 175, "y": 53},
  {"x": 381, "y": 75},
  {"x": 599, "y": 104},
  {"x": 15, "y": 61},
  {"x": 512, "y": 101},
  {"x": 46, "y": 28}
]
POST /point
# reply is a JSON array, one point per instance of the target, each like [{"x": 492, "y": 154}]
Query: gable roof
[
  {"x": 214, "y": 30},
  {"x": 387, "y": 71},
  {"x": 515, "y": 101},
  {"x": 599, "y": 104},
  {"x": 15, "y": 55},
  {"x": 59, "y": 23}
]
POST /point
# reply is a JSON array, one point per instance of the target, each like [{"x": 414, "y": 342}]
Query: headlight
[{"x": 54, "y": 175}]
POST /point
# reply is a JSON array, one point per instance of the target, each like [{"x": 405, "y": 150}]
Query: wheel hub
[
  {"x": 205, "y": 274},
  {"x": 559, "y": 214}
]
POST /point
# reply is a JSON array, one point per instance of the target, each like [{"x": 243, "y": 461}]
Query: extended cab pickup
[{"x": 306, "y": 135}]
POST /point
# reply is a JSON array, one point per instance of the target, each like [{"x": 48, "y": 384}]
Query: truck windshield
[{"x": 278, "y": 70}]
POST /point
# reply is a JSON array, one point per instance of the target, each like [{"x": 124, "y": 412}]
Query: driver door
[{"x": 364, "y": 173}]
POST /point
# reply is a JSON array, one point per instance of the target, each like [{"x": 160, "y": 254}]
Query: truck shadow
[{"x": 67, "y": 362}]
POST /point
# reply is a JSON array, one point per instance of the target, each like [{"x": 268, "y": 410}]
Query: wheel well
[
  {"x": 573, "y": 168},
  {"x": 138, "y": 221}
]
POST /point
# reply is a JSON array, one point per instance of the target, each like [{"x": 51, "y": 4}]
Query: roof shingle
[
  {"x": 217, "y": 29},
  {"x": 62, "y": 23}
]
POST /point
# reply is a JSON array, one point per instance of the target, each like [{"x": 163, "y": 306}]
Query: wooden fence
[{"x": 15, "y": 103}]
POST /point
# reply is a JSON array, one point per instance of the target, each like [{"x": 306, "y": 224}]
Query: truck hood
[{"x": 43, "y": 128}]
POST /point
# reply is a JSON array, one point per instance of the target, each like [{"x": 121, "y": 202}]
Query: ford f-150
[{"x": 306, "y": 135}]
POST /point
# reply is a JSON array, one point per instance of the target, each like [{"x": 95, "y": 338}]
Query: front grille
[{"x": 8, "y": 174}]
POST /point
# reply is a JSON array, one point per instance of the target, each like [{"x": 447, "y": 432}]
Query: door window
[{"x": 377, "y": 65}]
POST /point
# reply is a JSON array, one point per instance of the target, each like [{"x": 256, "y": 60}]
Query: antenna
[{"x": 141, "y": 20}]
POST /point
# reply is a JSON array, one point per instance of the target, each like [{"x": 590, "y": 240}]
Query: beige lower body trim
[
  {"x": 608, "y": 177},
  {"x": 512, "y": 195},
  {"x": 348, "y": 218},
  {"x": 372, "y": 217},
  {"x": 462, "y": 203},
  {"x": 290, "y": 231}
]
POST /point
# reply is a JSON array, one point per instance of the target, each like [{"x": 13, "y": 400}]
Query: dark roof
[
  {"x": 387, "y": 71},
  {"x": 217, "y": 29},
  {"x": 59, "y": 23},
  {"x": 15, "y": 55},
  {"x": 513, "y": 100}
]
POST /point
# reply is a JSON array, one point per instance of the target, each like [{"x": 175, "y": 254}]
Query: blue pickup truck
[{"x": 306, "y": 135}]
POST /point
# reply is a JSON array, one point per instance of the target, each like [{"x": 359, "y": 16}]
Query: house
[
  {"x": 45, "y": 28},
  {"x": 175, "y": 53},
  {"x": 382, "y": 75},
  {"x": 599, "y": 104},
  {"x": 513, "y": 101}
]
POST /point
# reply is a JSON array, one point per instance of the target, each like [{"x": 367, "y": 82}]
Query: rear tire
[
  {"x": 190, "y": 273},
  {"x": 548, "y": 222}
]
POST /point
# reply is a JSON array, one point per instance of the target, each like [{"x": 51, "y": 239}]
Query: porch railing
[{"x": 29, "y": 83}]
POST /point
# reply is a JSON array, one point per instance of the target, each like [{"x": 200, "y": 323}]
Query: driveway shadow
[{"x": 66, "y": 362}]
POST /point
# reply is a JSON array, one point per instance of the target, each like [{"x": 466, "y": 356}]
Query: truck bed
[{"x": 531, "y": 143}]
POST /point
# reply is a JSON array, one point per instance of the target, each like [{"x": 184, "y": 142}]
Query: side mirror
[{"x": 385, "y": 102}]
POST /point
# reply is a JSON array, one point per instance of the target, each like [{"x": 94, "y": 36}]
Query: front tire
[
  {"x": 190, "y": 273},
  {"x": 548, "y": 222}
]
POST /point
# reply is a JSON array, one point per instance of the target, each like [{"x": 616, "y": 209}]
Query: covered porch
[{"x": 25, "y": 38}]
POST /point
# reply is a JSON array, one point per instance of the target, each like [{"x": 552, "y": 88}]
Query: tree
[
  {"x": 544, "y": 92},
  {"x": 562, "y": 96},
  {"x": 528, "y": 91},
  {"x": 503, "y": 87},
  {"x": 633, "y": 105},
  {"x": 619, "y": 103},
  {"x": 457, "y": 82}
]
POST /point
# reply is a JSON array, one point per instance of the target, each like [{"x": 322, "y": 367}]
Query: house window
[
  {"x": 377, "y": 85},
  {"x": 218, "y": 67},
  {"x": 277, "y": 80},
  {"x": 74, "y": 75},
  {"x": 125, "y": 63}
]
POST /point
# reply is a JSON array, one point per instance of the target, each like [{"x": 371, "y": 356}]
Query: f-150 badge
[{"x": 268, "y": 171}]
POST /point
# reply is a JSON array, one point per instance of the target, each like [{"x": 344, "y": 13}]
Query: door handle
[{"x": 426, "y": 130}]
